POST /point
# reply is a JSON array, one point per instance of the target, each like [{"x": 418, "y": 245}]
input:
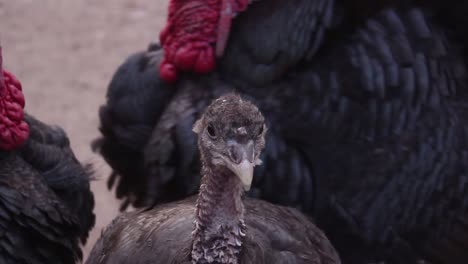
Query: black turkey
[
  {"x": 46, "y": 206},
  {"x": 369, "y": 103},
  {"x": 226, "y": 227}
]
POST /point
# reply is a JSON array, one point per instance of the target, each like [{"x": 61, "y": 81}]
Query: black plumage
[
  {"x": 226, "y": 227},
  {"x": 371, "y": 122},
  {"x": 46, "y": 205},
  {"x": 135, "y": 103}
]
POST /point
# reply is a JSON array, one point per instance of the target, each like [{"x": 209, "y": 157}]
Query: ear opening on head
[{"x": 197, "y": 127}]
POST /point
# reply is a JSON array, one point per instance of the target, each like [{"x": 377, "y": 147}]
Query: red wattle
[
  {"x": 191, "y": 33},
  {"x": 168, "y": 72},
  {"x": 205, "y": 62},
  {"x": 14, "y": 131},
  {"x": 196, "y": 57},
  {"x": 241, "y": 5},
  {"x": 185, "y": 58},
  {"x": 163, "y": 34}
]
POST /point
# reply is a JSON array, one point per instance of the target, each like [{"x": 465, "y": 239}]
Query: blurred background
[{"x": 64, "y": 52}]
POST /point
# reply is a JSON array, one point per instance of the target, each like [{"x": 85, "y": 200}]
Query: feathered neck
[{"x": 219, "y": 218}]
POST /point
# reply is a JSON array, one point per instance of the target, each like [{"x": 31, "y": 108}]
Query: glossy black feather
[
  {"x": 135, "y": 100},
  {"x": 46, "y": 206},
  {"x": 371, "y": 128},
  {"x": 259, "y": 52},
  {"x": 387, "y": 130}
]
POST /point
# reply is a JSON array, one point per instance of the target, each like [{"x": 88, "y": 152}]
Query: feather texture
[
  {"x": 371, "y": 122},
  {"x": 46, "y": 206},
  {"x": 163, "y": 235}
]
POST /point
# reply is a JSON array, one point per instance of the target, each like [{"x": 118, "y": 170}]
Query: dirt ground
[{"x": 64, "y": 52}]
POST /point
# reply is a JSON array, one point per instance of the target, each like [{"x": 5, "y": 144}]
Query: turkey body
[
  {"x": 372, "y": 114},
  {"x": 46, "y": 206},
  {"x": 163, "y": 235}
]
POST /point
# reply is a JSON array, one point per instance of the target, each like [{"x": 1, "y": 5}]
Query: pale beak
[
  {"x": 244, "y": 171},
  {"x": 241, "y": 161}
]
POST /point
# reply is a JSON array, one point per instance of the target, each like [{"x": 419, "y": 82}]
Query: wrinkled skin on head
[
  {"x": 231, "y": 133},
  {"x": 13, "y": 129},
  {"x": 196, "y": 32}
]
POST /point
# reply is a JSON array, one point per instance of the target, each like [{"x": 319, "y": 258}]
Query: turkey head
[{"x": 231, "y": 134}]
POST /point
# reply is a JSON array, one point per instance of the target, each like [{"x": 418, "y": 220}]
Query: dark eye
[
  {"x": 211, "y": 131},
  {"x": 260, "y": 131}
]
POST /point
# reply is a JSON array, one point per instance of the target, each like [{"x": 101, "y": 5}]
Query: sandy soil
[{"x": 64, "y": 52}]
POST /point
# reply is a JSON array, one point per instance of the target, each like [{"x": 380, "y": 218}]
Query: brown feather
[{"x": 226, "y": 227}]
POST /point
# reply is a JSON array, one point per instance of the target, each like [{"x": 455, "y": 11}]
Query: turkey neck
[{"x": 219, "y": 218}]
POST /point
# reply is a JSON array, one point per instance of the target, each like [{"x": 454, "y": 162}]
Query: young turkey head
[{"x": 231, "y": 135}]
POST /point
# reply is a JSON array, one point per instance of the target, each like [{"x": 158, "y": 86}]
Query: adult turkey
[
  {"x": 370, "y": 112},
  {"x": 227, "y": 228},
  {"x": 46, "y": 206}
]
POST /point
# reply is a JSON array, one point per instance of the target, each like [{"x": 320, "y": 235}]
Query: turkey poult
[
  {"x": 46, "y": 206},
  {"x": 227, "y": 228},
  {"x": 369, "y": 104}
]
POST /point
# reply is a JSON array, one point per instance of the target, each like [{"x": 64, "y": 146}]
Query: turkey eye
[
  {"x": 260, "y": 131},
  {"x": 211, "y": 131}
]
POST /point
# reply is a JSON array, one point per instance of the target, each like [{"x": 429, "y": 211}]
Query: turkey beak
[
  {"x": 241, "y": 162},
  {"x": 244, "y": 171}
]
